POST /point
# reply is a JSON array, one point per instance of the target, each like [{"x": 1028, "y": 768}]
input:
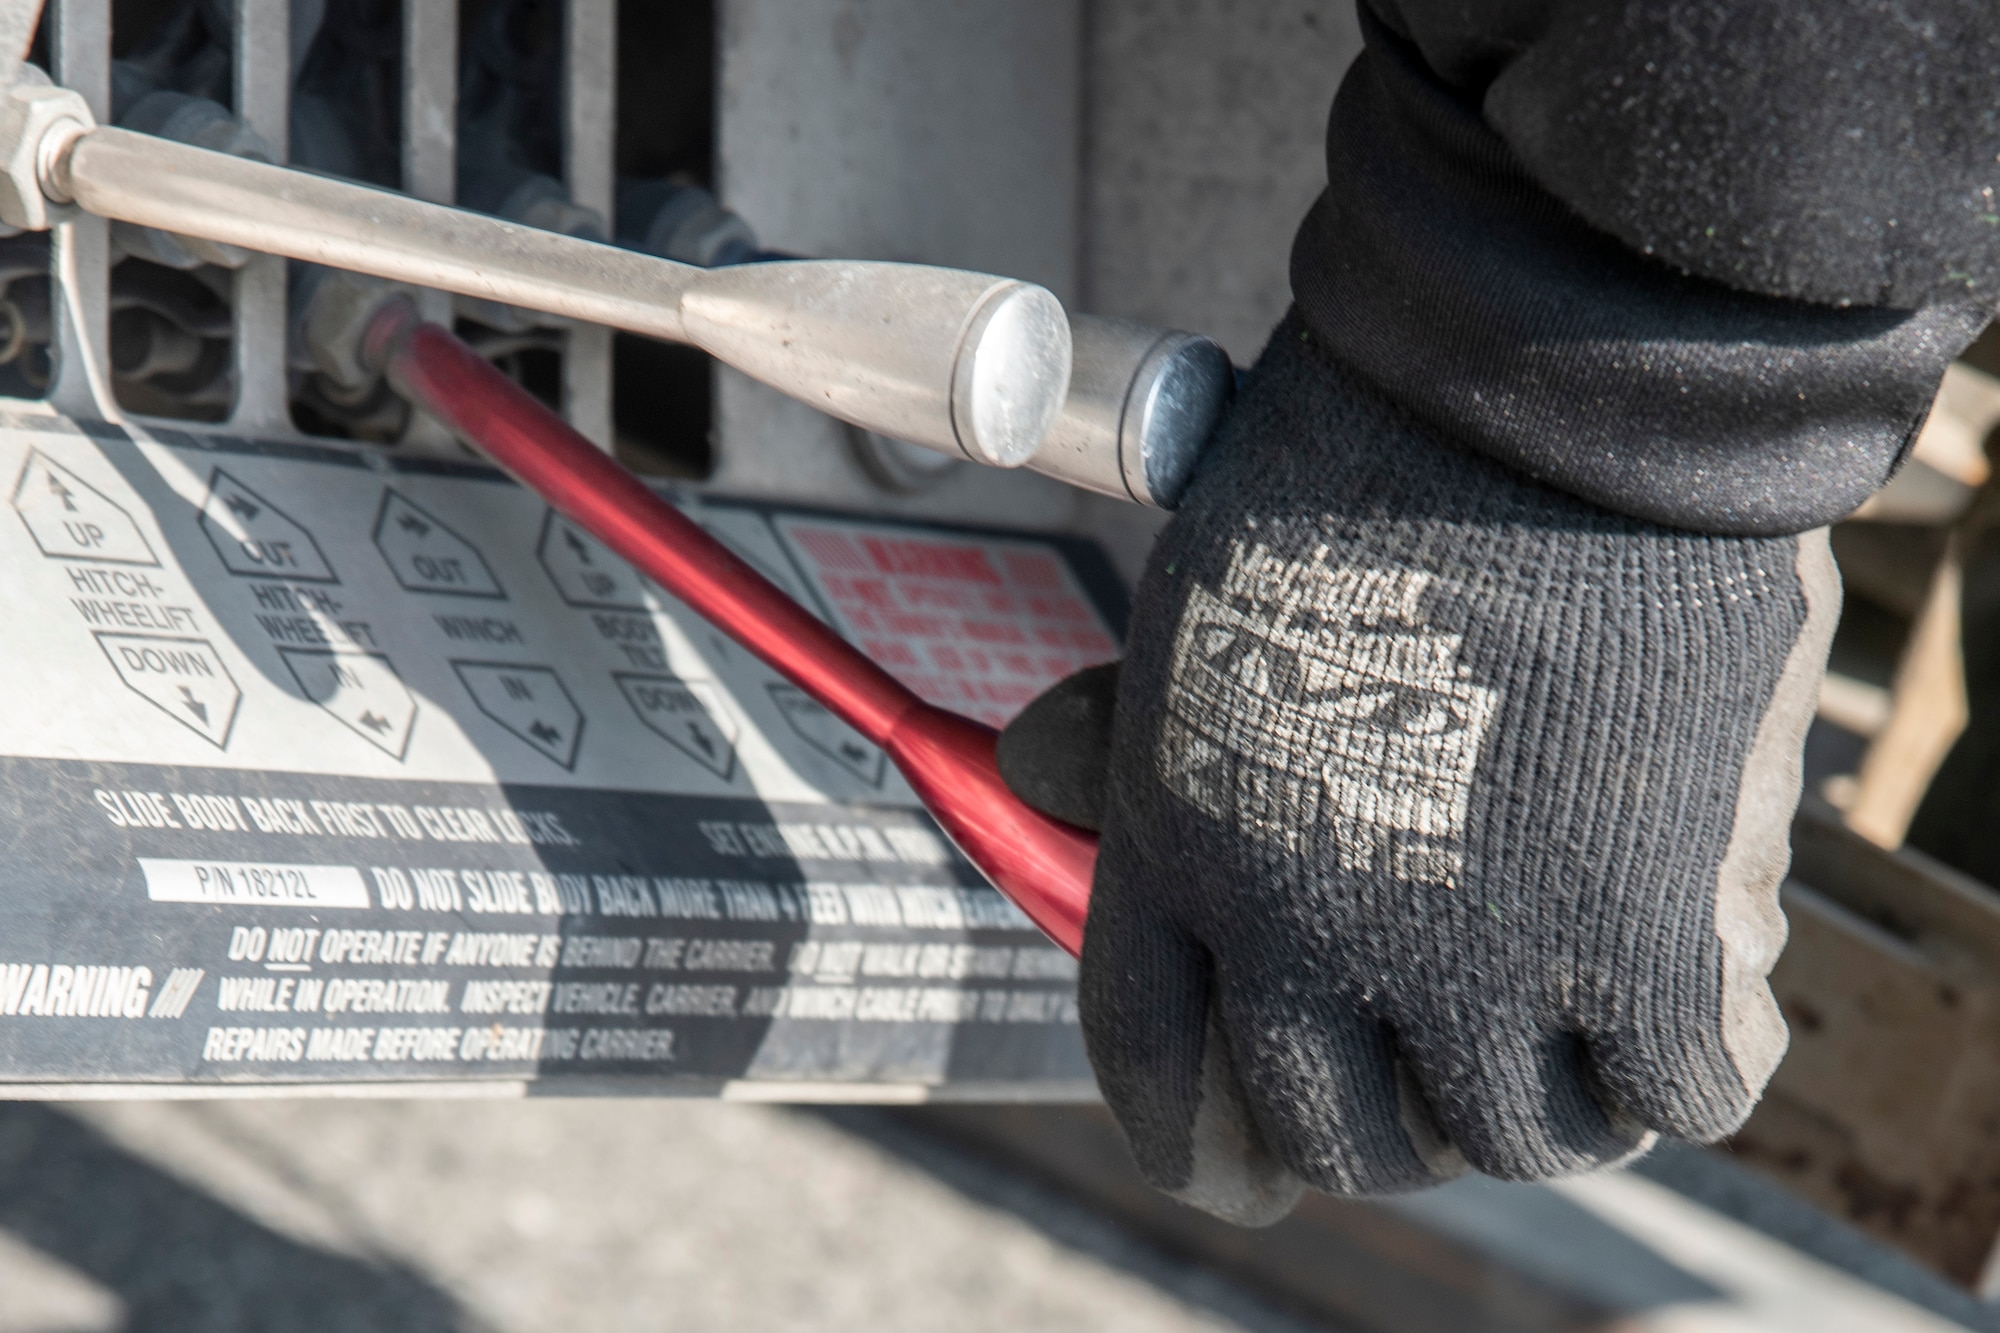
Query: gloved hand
[{"x": 1444, "y": 814}]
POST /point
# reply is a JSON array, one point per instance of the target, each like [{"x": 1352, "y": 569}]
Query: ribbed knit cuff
[{"x": 1437, "y": 269}]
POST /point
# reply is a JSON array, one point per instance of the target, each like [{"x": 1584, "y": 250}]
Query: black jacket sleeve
[{"x": 1700, "y": 261}]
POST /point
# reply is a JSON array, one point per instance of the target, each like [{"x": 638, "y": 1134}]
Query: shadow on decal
[{"x": 673, "y": 948}]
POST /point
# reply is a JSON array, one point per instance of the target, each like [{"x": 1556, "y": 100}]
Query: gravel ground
[{"x": 547, "y": 1215}]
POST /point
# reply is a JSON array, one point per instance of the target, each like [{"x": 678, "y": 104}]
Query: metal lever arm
[{"x": 960, "y": 361}]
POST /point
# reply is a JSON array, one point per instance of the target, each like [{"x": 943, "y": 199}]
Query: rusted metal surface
[{"x": 1886, "y": 1111}]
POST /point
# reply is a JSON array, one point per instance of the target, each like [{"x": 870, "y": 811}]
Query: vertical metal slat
[
  {"x": 430, "y": 100},
  {"x": 263, "y": 78},
  {"x": 590, "y": 73},
  {"x": 430, "y": 148},
  {"x": 80, "y": 249}
]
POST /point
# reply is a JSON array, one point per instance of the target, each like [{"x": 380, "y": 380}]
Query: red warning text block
[{"x": 979, "y": 625}]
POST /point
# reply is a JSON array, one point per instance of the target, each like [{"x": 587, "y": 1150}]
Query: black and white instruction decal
[{"x": 322, "y": 768}]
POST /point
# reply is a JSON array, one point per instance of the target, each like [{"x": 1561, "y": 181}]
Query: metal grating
[{"x": 79, "y": 42}]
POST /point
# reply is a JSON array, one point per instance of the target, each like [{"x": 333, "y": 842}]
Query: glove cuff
[{"x": 1441, "y": 272}]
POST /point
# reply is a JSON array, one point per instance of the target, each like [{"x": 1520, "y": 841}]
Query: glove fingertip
[
  {"x": 1657, "y": 1083},
  {"x": 1056, "y": 754},
  {"x": 1234, "y": 1175},
  {"x": 1427, "y": 1137},
  {"x": 1546, "y": 1115}
]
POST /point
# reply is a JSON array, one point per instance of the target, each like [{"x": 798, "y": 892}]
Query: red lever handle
[{"x": 1042, "y": 864}]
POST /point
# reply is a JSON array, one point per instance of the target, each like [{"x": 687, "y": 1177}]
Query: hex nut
[
  {"x": 33, "y": 120},
  {"x": 337, "y": 314},
  {"x": 692, "y": 227}
]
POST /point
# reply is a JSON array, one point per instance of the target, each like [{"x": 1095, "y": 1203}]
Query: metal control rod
[
  {"x": 964, "y": 362},
  {"x": 968, "y": 364}
]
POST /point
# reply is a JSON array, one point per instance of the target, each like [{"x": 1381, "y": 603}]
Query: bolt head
[
  {"x": 32, "y": 120},
  {"x": 336, "y": 320}
]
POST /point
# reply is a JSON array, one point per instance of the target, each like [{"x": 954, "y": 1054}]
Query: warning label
[
  {"x": 256, "y": 885},
  {"x": 977, "y": 625},
  {"x": 426, "y": 555},
  {"x": 70, "y": 519},
  {"x": 325, "y": 768},
  {"x": 185, "y": 678},
  {"x": 361, "y": 689},
  {"x": 217, "y": 925},
  {"x": 257, "y": 539}
]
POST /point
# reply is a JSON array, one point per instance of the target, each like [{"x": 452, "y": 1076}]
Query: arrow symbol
[
  {"x": 544, "y": 733},
  {"x": 577, "y": 545},
  {"x": 62, "y": 493},
  {"x": 411, "y": 523},
  {"x": 853, "y": 751},
  {"x": 701, "y": 739},
  {"x": 194, "y": 705},
  {"x": 375, "y": 722},
  {"x": 242, "y": 508}
]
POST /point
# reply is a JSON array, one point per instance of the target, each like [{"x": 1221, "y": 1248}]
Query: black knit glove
[{"x": 1444, "y": 818}]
